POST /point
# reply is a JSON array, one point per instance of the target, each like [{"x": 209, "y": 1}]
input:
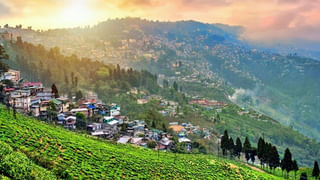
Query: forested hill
[
  {"x": 287, "y": 88},
  {"x": 71, "y": 73}
]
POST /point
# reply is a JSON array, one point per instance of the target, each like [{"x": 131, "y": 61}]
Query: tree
[
  {"x": 81, "y": 121},
  {"x": 218, "y": 118},
  {"x": 274, "y": 159},
  {"x": 224, "y": 142},
  {"x": 55, "y": 91},
  {"x": 79, "y": 95},
  {"x": 267, "y": 155},
  {"x": 231, "y": 146},
  {"x": 246, "y": 148},
  {"x": 315, "y": 171},
  {"x": 238, "y": 147},
  {"x": 72, "y": 78},
  {"x": 253, "y": 153},
  {"x": 303, "y": 176},
  {"x": 152, "y": 144},
  {"x": 52, "y": 110},
  {"x": 164, "y": 127},
  {"x": 66, "y": 80},
  {"x": 14, "y": 108},
  {"x": 153, "y": 125},
  {"x": 202, "y": 149},
  {"x": 287, "y": 161},
  {"x": 76, "y": 81},
  {"x": 3, "y": 56},
  {"x": 295, "y": 168},
  {"x": 175, "y": 86},
  {"x": 261, "y": 150},
  {"x": 165, "y": 84}
]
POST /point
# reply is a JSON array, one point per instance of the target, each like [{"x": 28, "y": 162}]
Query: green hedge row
[{"x": 17, "y": 165}]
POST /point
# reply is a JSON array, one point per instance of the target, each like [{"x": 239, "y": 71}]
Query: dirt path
[{"x": 255, "y": 168}]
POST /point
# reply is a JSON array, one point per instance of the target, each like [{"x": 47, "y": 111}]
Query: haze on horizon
[{"x": 266, "y": 20}]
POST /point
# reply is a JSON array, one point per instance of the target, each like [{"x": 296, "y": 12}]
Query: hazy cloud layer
[
  {"x": 4, "y": 10},
  {"x": 268, "y": 20}
]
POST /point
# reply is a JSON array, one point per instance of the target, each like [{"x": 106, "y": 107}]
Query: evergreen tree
[
  {"x": 275, "y": 159},
  {"x": 3, "y": 56},
  {"x": 261, "y": 150},
  {"x": 76, "y": 81},
  {"x": 225, "y": 142},
  {"x": 153, "y": 125},
  {"x": 231, "y": 146},
  {"x": 72, "y": 78},
  {"x": 54, "y": 90},
  {"x": 218, "y": 118},
  {"x": 253, "y": 153},
  {"x": 246, "y": 148},
  {"x": 66, "y": 80},
  {"x": 315, "y": 171},
  {"x": 303, "y": 176},
  {"x": 165, "y": 84},
  {"x": 175, "y": 86},
  {"x": 287, "y": 161},
  {"x": 238, "y": 147},
  {"x": 79, "y": 95},
  {"x": 295, "y": 168},
  {"x": 267, "y": 156}
]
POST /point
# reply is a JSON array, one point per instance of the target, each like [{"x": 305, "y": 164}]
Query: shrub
[
  {"x": 5, "y": 149},
  {"x": 152, "y": 144},
  {"x": 17, "y": 166},
  {"x": 4, "y": 177}
]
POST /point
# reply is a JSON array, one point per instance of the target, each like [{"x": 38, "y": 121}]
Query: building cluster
[
  {"x": 101, "y": 120},
  {"x": 208, "y": 103},
  {"x": 185, "y": 129}
]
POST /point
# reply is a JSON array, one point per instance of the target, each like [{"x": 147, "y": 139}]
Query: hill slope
[
  {"x": 72, "y": 155},
  {"x": 285, "y": 88}
]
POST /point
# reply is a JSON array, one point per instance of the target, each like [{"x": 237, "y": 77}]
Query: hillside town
[{"x": 96, "y": 118}]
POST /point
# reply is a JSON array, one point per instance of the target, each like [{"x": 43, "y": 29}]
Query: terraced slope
[{"x": 76, "y": 156}]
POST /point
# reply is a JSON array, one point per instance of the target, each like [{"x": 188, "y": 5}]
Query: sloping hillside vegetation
[
  {"x": 71, "y": 155},
  {"x": 71, "y": 73},
  {"x": 17, "y": 166}
]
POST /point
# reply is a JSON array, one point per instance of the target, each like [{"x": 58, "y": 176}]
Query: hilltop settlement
[{"x": 88, "y": 113}]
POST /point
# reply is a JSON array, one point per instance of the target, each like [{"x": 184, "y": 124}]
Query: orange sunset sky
[{"x": 263, "y": 19}]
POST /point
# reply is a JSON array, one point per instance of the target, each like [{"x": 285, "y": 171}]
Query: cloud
[
  {"x": 264, "y": 20},
  {"x": 4, "y": 10}
]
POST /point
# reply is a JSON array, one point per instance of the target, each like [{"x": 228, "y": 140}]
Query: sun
[{"x": 77, "y": 13}]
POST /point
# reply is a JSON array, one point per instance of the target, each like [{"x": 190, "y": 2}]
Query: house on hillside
[
  {"x": 186, "y": 141},
  {"x": 5, "y": 35},
  {"x": 124, "y": 139},
  {"x": 61, "y": 118},
  {"x": 32, "y": 85},
  {"x": 70, "y": 122},
  {"x": 94, "y": 127},
  {"x": 11, "y": 75},
  {"x": 45, "y": 95},
  {"x": 85, "y": 111},
  {"x": 136, "y": 140},
  {"x": 166, "y": 143},
  {"x": 177, "y": 128},
  {"x": 65, "y": 104}
]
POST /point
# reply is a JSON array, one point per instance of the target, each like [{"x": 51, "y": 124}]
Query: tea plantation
[{"x": 36, "y": 148}]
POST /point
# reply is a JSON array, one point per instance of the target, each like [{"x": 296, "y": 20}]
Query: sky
[{"x": 267, "y": 20}]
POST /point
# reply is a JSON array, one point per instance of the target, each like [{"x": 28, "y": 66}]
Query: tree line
[
  {"x": 71, "y": 73},
  {"x": 265, "y": 151}
]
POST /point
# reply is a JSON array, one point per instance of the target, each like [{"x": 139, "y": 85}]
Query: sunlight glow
[{"x": 78, "y": 12}]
